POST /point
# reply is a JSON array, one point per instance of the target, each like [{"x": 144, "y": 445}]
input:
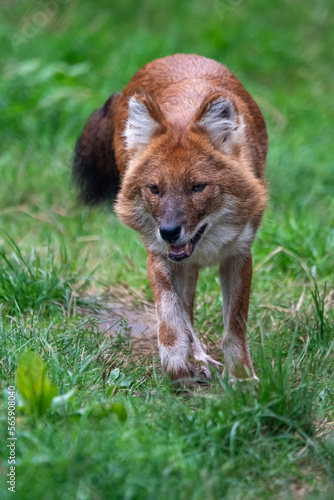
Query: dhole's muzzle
[{"x": 178, "y": 251}]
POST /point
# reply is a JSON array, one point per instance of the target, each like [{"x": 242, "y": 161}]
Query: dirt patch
[
  {"x": 139, "y": 322},
  {"x": 116, "y": 315}
]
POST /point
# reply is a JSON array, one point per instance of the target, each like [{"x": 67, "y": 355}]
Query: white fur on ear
[
  {"x": 223, "y": 124},
  {"x": 140, "y": 126}
]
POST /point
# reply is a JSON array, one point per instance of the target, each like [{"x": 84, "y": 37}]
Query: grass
[
  {"x": 274, "y": 440},
  {"x": 42, "y": 285}
]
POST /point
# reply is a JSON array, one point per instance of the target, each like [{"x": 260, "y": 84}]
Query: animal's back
[{"x": 180, "y": 83}]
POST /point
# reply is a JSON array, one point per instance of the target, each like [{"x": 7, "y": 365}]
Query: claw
[
  {"x": 204, "y": 358},
  {"x": 199, "y": 352}
]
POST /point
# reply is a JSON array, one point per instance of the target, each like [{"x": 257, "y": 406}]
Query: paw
[
  {"x": 204, "y": 372},
  {"x": 185, "y": 373},
  {"x": 241, "y": 376},
  {"x": 197, "y": 373},
  {"x": 178, "y": 369}
]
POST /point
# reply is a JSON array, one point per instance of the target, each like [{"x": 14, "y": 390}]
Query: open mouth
[{"x": 180, "y": 252}]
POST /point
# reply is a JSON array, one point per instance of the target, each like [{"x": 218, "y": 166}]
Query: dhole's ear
[
  {"x": 94, "y": 167},
  {"x": 220, "y": 119},
  {"x": 145, "y": 119}
]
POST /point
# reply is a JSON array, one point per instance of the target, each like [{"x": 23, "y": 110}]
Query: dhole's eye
[
  {"x": 197, "y": 188},
  {"x": 154, "y": 189}
]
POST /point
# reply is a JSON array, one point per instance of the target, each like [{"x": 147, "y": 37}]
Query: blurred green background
[{"x": 60, "y": 60}]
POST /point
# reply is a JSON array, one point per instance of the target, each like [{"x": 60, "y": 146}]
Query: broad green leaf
[
  {"x": 113, "y": 376},
  {"x": 117, "y": 378},
  {"x": 34, "y": 384}
]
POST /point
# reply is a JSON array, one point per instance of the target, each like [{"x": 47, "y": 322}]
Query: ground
[{"x": 60, "y": 264}]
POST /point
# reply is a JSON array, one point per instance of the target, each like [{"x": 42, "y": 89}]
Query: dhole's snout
[
  {"x": 177, "y": 248},
  {"x": 170, "y": 233}
]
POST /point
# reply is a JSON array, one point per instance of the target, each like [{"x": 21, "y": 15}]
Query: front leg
[
  {"x": 236, "y": 276},
  {"x": 184, "y": 282},
  {"x": 174, "y": 334}
]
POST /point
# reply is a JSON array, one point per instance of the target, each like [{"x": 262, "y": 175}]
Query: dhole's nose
[{"x": 170, "y": 233}]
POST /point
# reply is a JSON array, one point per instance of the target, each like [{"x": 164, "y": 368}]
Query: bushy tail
[{"x": 95, "y": 172}]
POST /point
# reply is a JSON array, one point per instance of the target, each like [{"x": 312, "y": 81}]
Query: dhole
[{"x": 184, "y": 145}]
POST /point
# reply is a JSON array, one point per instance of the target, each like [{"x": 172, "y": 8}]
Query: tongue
[{"x": 186, "y": 249}]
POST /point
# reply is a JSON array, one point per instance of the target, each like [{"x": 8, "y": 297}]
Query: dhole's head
[{"x": 188, "y": 187}]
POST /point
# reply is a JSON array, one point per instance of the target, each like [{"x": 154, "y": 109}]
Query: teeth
[{"x": 178, "y": 250}]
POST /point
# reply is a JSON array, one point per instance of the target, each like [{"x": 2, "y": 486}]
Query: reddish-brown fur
[
  {"x": 178, "y": 93},
  {"x": 181, "y": 85}
]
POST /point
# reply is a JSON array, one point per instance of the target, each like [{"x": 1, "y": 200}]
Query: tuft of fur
[
  {"x": 140, "y": 126},
  {"x": 222, "y": 123}
]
